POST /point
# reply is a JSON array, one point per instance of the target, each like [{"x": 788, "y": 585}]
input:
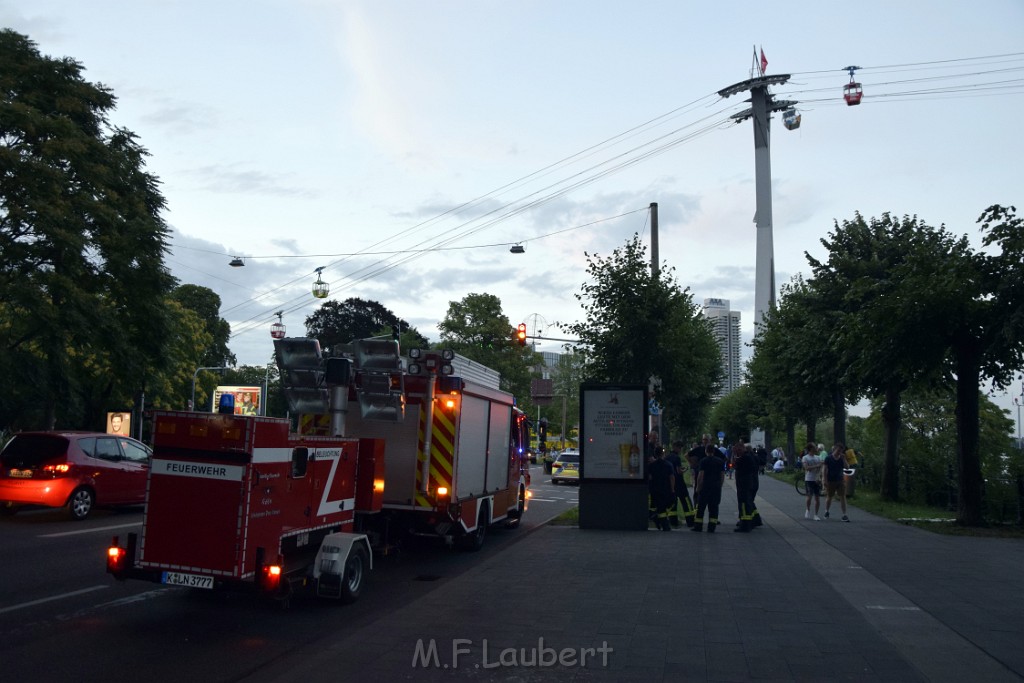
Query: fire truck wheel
[
  {"x": 474, "y": 540},
  {"x": 355, "y": 570},
  {"x": 80, "y": 504}
]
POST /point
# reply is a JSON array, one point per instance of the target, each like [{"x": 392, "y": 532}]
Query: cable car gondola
[
  {"x": 320, "y": 288},
  {"x": 791, "y": 119},
  {"x": 852, "y": 91}
]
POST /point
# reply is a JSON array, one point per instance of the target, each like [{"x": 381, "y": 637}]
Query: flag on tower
[{"x": 764, "y": 61}]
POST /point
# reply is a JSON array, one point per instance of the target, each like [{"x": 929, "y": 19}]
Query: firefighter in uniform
[
  {"x": 682, "y": 493},
  {"x": 745, "y": 465},
  {"x": 661, "y": 480},
  {"x": 708, "y": 489}
]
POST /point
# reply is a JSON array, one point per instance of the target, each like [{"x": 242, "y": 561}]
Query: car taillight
[{"x": 57, "y": 470}]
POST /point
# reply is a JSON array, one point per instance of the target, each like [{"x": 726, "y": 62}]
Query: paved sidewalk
[{"x": 795, "y": 600}]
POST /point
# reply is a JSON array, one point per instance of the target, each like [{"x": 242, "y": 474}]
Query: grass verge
[
  {"x": 936, "y": 519},
  {"x": 570, "y": 517}
]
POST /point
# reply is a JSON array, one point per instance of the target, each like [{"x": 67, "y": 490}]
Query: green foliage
[
  {"x": 206, "y": 304},
  {"x": 736, "y": 414},
  {"x": 340, "y": 323},
  {"x": 908, "y": 308},
  {"x": 638, "y": 326},
  {"x": 928, "y": 452},
  {"x": 81, "y": 247},
  {"x": 791, "y": 365},
  {"x": 477, "y": 328}
]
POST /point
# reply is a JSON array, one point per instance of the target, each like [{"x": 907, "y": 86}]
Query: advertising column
[{"x": 613, "y": 490}]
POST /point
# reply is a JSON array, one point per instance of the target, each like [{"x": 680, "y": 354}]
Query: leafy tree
[
  {"x": 566, "y": 379},
  {"x": 81, "y": 245},
  {"x": 928, "y": 448},
  {"x": 477, "y": 328},
  {"x": 982, "y": 318},
  {"x": 639, "y": 326},
  {"x": 206, "y": 304},
  {"x": 789, "y": 360},
  {"x": 877, "y": 280},
  {"x": 170, "y": 387},
  {"x": 339, "y": 323},
  {"x": 736, "y": 414}
]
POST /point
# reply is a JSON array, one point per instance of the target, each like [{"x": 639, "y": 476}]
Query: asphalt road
[{"x": 63, "y": 618}]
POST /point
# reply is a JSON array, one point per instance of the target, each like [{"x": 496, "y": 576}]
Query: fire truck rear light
[
  {"x": 529, "y": 494},
  {"x": 271, "y": 577},
  {"x": 233, "y": 433},
  {"x": 199, "y": 429},
  {"x": 449, "y": 403},
  {"x": 115, "y": 558},
  {"x": 442, "y": 491},
  {"x": 378, "y": 485}
]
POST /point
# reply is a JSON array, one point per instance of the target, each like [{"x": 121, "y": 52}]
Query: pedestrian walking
[
  {"x": 835, "y": 483},
  {"x": 746, "y": 468},
  {"x": 708, "y": 489},
  {"x": 662, "y": 488},
  {"x": 812, "y": 480}
]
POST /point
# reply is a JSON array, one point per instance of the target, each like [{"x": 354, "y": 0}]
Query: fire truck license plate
[{"x": 190, "y": 580}]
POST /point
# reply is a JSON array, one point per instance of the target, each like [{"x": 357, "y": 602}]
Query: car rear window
[
  {"x": 569, "y": 457},
  {"x": 29, "y": 450}
]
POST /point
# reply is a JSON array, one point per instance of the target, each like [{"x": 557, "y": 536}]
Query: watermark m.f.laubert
[{"x": 426, "y": 654}]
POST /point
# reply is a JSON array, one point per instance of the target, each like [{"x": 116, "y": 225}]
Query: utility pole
[
  {"x": 762, "y": 105},
  {"x": 654, "y": 241}
]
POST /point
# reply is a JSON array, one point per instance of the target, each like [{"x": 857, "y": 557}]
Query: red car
[{"x": 76, "y": 470}]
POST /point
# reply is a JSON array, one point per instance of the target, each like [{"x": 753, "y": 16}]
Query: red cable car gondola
[
  {"x": 277, "y": 330},
  {"x": 852, "y": 91}
]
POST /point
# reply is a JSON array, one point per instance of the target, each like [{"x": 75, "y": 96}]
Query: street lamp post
[
  {"x": 192, "y": 403},
  {"x": 1017, "y": 400}
]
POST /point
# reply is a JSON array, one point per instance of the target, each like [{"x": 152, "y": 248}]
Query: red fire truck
[
  {"x": 455, "y": 444},
  {"x": 385, "y": 446}
]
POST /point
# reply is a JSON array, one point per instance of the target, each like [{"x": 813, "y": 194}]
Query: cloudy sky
[{"x": 404, "y": 146}]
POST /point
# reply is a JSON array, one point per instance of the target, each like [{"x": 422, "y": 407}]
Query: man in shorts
[
  {"x": 835, "y": 483},
  {"x": 812, "y": 480}
]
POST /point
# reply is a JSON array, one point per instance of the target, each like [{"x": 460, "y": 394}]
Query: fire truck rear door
[{"x": 194, "y": 515}]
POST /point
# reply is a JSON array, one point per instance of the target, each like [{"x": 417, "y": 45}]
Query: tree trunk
[
  {"x": 967, "y": 436},
  {"x": 891, "y": 424},
  {"x": 812, "y": 431},
  {"x": 839, "y": 415},
  {"x": 791, "y": 441}
]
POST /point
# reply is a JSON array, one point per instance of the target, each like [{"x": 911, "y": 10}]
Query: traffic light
[{"x": 521, "y": 334}]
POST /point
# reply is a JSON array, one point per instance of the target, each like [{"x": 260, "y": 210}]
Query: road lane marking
[
  {"x": 89, "y": 531},
  {"x": 51, "y": 599}
]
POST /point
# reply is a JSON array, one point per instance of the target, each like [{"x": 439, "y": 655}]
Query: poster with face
[
  {"x": 247, "y": 399},
  {"x": 119, "y": 423}
]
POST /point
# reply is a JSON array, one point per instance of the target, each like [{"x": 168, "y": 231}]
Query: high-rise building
[{"x": 727, "y": 331}]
